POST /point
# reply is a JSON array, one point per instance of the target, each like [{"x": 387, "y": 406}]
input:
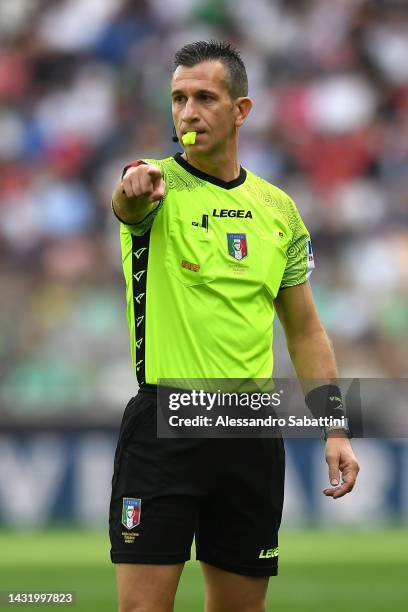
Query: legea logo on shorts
[
  {"x": 131, "y": 510},
  {"x": 268, "y": 553}
]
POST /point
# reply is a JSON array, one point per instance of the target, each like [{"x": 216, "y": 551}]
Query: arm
[
  {"x": 308, "y": 344},
  {"x": 313, "y": 358},
  {"x": 138, "y": 193}
]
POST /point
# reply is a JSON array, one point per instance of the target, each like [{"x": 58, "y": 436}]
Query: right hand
[{"x": 144, "y": 182}]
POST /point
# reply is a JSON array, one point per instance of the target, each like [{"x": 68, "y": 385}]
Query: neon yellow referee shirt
[{"x": 202, "y": 272}]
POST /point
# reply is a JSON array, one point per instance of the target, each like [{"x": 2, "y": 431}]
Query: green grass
[{"x": 355, "y": 571}]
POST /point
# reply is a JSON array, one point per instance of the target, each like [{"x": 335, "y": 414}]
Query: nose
[{"x": 189, "y": 114}]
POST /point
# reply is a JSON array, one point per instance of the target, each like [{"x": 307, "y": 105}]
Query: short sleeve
[{"x": 300, "y": 260}]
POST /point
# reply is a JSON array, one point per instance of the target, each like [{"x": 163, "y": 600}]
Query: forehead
[{"x": 207, "y": 75}]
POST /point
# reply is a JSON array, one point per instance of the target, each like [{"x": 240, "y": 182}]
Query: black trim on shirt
[
  {"x": 211, "y": 179},
  {"x": 139, "y": 264},
  {"x": 137, "y": 222}
]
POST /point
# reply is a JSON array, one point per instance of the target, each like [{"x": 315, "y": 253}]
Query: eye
[{"x": 178, "y": 98}]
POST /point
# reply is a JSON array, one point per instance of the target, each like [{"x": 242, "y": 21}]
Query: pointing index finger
[{"x": 154, "y": 171}]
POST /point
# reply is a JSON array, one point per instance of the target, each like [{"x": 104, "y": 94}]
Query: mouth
[{"x": 196, "y": 131}]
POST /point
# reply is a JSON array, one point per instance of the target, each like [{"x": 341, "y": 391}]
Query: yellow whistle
[{"x": 189, "y": 138}]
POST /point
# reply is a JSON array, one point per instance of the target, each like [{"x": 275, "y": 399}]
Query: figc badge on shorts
[
  {"x": 237, "y": 246},
  {"x": 131, "y": 510}
]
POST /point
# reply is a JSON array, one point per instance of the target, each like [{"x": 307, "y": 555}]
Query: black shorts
[{"x": 228, "y": 493}]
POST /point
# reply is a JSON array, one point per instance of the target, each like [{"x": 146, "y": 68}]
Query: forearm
[
  {"x": 313, "y": 358},
  {"x": 131, "y": 210}
]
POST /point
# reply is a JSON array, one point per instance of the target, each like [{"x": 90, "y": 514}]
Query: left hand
[{"x": 340, "y": 458}]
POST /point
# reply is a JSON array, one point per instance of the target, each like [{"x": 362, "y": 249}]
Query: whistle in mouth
[{"x": 189, "y": 138}]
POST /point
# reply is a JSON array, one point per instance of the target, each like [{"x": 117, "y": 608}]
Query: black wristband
[{"x": 326, "y": 402}]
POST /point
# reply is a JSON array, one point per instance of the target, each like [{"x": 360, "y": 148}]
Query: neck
[{"x": 224, "y": 166}]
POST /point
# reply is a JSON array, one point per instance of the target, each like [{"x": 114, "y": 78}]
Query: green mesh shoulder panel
[{"x": 298, "y": 267}]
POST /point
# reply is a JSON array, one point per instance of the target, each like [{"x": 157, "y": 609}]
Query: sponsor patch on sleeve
[{"x": 310, "y": 258}]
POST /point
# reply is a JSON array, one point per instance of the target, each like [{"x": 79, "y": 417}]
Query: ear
[{"x": 243, "y": 106}]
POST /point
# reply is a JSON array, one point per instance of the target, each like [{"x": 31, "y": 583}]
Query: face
[{"x": 201, "y": 102}]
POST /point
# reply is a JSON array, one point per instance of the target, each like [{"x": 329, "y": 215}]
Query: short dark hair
[{"x": 204, "y": 51}]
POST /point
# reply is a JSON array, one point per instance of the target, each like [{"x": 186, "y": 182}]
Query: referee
[{"x": 209, "y": 251}]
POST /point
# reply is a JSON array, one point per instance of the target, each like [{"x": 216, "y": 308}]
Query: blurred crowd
[{"x": 84, "y": 87}]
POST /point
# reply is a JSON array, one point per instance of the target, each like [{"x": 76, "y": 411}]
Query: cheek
[
  {"x": 227, "y": 125},
  {"x": 222, "y": 123},
  {"x": 176, "y": 112}
]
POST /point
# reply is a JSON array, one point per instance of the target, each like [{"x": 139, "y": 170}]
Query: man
[{"x": 199, "y": 307}]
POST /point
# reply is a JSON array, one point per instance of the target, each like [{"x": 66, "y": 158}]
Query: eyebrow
[{"x": 199, "y": 91}]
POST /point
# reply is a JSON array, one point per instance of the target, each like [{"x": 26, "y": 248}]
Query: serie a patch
[{"x": 131, "y": 511}]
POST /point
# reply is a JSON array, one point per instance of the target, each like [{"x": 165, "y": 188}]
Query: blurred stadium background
[{"x": 84, "y": 87}]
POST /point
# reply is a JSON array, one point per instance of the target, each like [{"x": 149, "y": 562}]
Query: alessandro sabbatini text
[{"x": 269, "y": 421}]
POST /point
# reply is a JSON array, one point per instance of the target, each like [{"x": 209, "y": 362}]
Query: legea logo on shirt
[{"x": 225, "y": 212}]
